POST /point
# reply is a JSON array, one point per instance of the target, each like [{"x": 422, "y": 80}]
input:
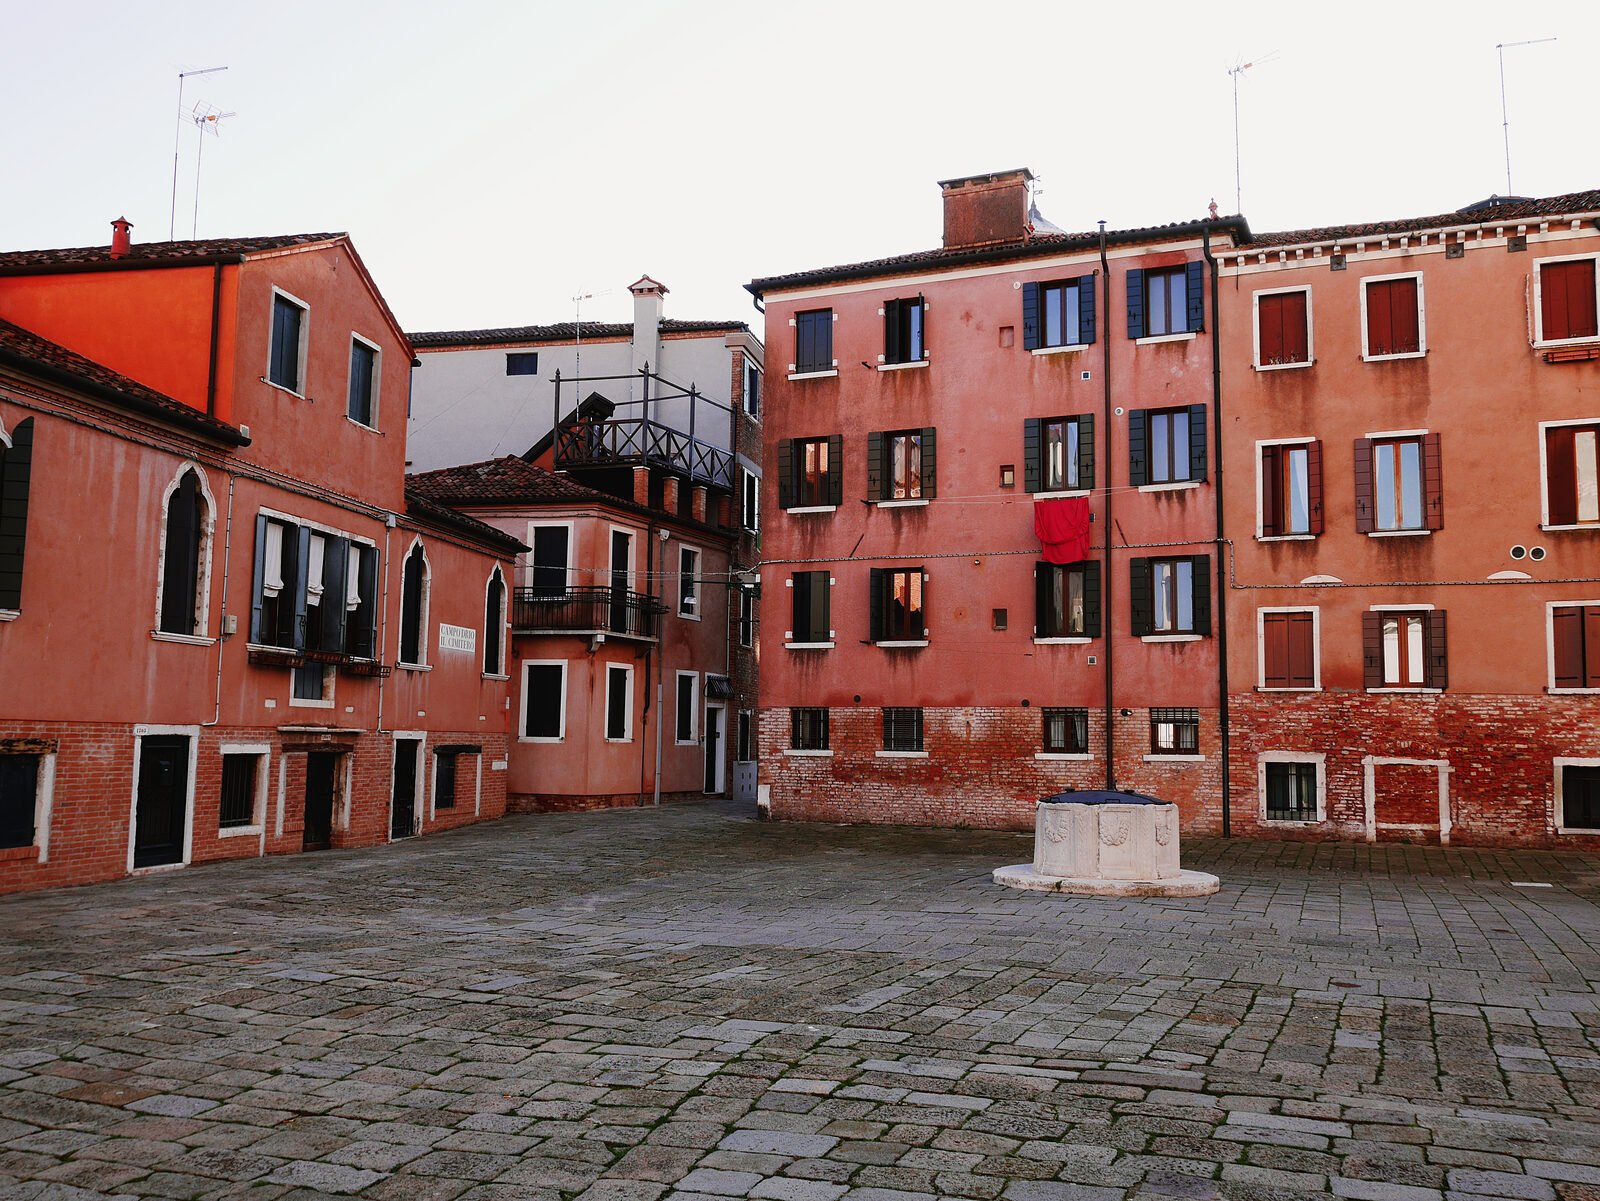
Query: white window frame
[
  {"x": 1422, "y": 319},
  {"x": 305, "y": 339},
  {"x": 1261, "y": 508},
  {"x": 750, "y": 502},
  {"x": 1404, "y": 610},
  {"x": 419, "y": 742},
  {"x": 1550, "y": 608},
  {"x": 744, "y": 626},
  {"x": 1369, "y": 796},
  {"x": 44, "y": 792},
  {"x": 527, "y": 559},
  {"x": 522, "y": 709},
  {"x": 1316, "y": 646},
  {"x": 1544, "y": 473},
  {"x": 377, "y": 380},
  {"x": 751, "y": 367},
  {"x": 1319, "y": 758},
  {"x": 627, "y": 703},
  {"x": 690, "y": 602},
  {"x": 1539, "y": 340},
  {"x": 1558, "y": 791},
  {"x": 202, "y": 601},
  {"x": 330, "y": 681},
  {"x": 1311, "y": 349},
  {"x": 694, "y": 708},
  {"x": 140, "y": 733},
  {"x": 1420, "y": 437},
  {"x": 262, "y": 752},
  {"x": 505, "y": 626},
  {"x": 424, "y": 603}
]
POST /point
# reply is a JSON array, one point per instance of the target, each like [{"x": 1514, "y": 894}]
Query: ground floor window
[
  {"x": 1578, "y": 796},
  {"x": 1066, "y": 731},
  {"x": 241, "y": 784},
  {"x": 744, "y": 749},
  {"x": 19, "y": 799},
  {"x": 1175, "y": 731},
  {"x": 808, "y": 729},
  {"x": 902, "y": 730},
  {"x": 1291, "y": 791}
]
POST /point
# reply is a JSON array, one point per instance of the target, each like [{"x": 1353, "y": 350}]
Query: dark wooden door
[
  {"x": 162, "y": 799},
  {"x": 621, "y": 559},
  {"x": 713, "y": 750},
  {"x": 320, "y": 769},
  {"x": 403, "y": 823}
]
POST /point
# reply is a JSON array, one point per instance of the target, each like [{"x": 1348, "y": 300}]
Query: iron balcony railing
[
  {"x": 619, "y": 441},
  {"x": 585, "y": 611}
]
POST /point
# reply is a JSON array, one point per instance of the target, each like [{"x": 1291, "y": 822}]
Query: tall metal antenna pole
[
  {"x": 177, "y": 137},
  {"x": 1505, "y": 116},
  {"x": 205, "y": 122},
  {"x": 1238, "y": 187}
]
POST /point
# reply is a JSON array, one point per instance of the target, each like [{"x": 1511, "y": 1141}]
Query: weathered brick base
[{"x": 555, "y": 802}]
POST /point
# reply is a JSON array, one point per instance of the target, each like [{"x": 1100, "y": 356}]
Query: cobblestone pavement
[{"x": 520, "y": 1011}]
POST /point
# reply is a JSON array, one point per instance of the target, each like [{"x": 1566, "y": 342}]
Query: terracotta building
[{"x": 226, "y": 628}]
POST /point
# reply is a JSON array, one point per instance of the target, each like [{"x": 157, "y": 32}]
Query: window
[
  {"x": 1575, "y": 646},
  {"x": 813, "y": 341},
  {"x": 522, "y": 362},
  {"x": 1404, "y": 649},
  {"x": 1399, "y": 483},
  {"x": 808, "y": 729},
  {"x": 494, "y": 625},
  {"x": 16, "y": 471},
  {"x": 314, "y": 590},
  {"x": 1067, "y": 600},
  {"x": 414, "y": 608},
  {"x": 1059, "y": 313},
  {"x": 811, "y": 619},
  {"x": 896, "y": 605},
  {"x": 184, "y": 537},
  {"x": 1283, "y": 328},
  {"x": 1578, "y": 796},
  {"x": 902, "y": 730},
  {"x": 747, "y": 615},
  {"x": 752, "y": 389},
  {"x": 1392, "y": 325},
  {"x": 903, "y": 330},
  {"x": 1291, "y": 490},
  {"x": 688, "y": 707},
  {"x": 810, "y": 472},
  {"x": 1167, "y": 301},
  {"x": 1167, "y": 446},
  {"x": 241, "y": 781},
  {"x": 311, "y": 684},
  {"x": 1174, "y": 731},
  {"x": 900, "y": 465},
  {"x": 744, "y": 747},
  {"x": 619, "y": 703},
  {"x": 20, "y": 777},
  {"x": 363, "y": 399},
  {"x": 1000, "y": 619},
  {"x": 544, "y": 700},
  {"x": 1289, "y": 649},
  {"x": 286, "y": 361},
  {"x": 444, "y": 777},
  {"x": 1572, "y": 474},
  {"x": 1567, "y": 310},
  {"x": 688, "y": 582},
  {"x": 751, "y": 509},
  {"x": 1066, "y": 731},
  {"x": 548, "y": 562},
  {"x": 1059, "y": 453},
  {"x": 1170, "y": 596},
  {"x": 1290, "y": 790}
]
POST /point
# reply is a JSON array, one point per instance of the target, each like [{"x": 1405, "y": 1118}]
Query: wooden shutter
[
  {"x": 1591, "y": 646},
  {"x": 804, "y": 340},
  {"x": 930, "y": 463},
  {"x": 1197, "y": 442},
  {"x": 1314, "y": 487},
  {"x": 1275, "y": 671},
  {"x": 875, "y": 466},
  {"x": 1044, "y": 625},
  {"x": 1138, "y": 447},
  {"x": 1296, "y": 329},
  {"x": 1567, "y": 634},
  {"x": 1136, "y": 306},
  {"x": 1086, "y": 451},
  {"x": 1432, "y": 483},
  {"x": 180, "y": 567},
  {"x": 1269, "y": 329},
  {"x": 1091, "y": 598},
  {"x": 1366, "y": 507},
  {"x": 893, "y": 352},
  {"x": 820, "y": 618},
  {"x": 786, "y": 473},
  {"x": 1031, "y": 324},
  {"x": 1561, "y": 474},
  {"x": 296, "y": 614},
  {"x": 362, "y": 625},
  {"x": 1032, "y": 454},
  {"x": 1301, "y": 646},
  {"x": 875, "y": 604},
  {"x": 1380, "y": 319},
  {"x": 1271, "y": 493},
  {"x": 16, "y": 475},
  {"x": 1141, "y": 604},
  {"x": 260, "y": 580},
  {"x": 1407, "y": 319},
  {"x": 335, "y": 584},
  {"x": 1195, "y": 294},
  {"x": 1582, "y": 319},
  {"x": 1086, "y": 309},
  {"x": 835, "y": 469},
  {"x": 1372, "y": 649},
  {"x": 1436, "y": 667},
  {"x": 1202, "y": 593}
]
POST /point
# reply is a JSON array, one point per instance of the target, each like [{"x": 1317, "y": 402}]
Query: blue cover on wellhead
[{"x": 1101, "y": 798}]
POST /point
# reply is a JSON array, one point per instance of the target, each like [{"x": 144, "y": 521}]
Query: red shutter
[
  {"x": 1436, "y": 659},
  {"x": 1566, "y": 629},
  {"x": 1271, "y": 491},
  {"x": 1379, "y": 332},
  {"x": 1561, "y": 476},
  {"x": 1581, "y": 301},
  {"x": 1366, "y": 509},
  {"x": 1432, "y": 483},
  {"x": 1314, "y": 486},
  {"x": 1302, "y": 650},
  {"x": 1269, "y": 328},
  {"x": 1591, "y": 647},
  {"x": 1296, "y": 347},
  {"x": 1567, "y": 300},
  {"x": 1372, "y": 649},
  {"x": 1275, "y": 650},
  {"x": 1407, "y": 338}
]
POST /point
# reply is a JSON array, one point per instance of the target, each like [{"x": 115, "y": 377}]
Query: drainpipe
[
  {"x": 222, "y": 637},
  {"x": 216, "y": 332},
  {"x": 651, "y": 677},
  {"x": 1216, "y": 487},
  {"x": 1106, "y": 494},
  {"x": 383, "y": 623}
]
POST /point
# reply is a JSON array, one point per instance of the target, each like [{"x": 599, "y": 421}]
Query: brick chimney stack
[
  {"x": 986, "y": 210},
  {"x": 121, "y": 241}
]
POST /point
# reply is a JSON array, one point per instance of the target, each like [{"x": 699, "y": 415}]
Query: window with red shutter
[
  {"x": 1282, "y": 331},
  {"x": 1572, "y": 474},
  {"x": 1291, "y": 489},
  {"x": 1575, "y": 633},
  {"x": 1567, "y": 301},
  {"x": 1288, "y": 650},
  {"x": 1394, "y": 317}
]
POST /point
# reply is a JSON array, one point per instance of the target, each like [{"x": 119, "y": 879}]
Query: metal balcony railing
[
  {"x": 626, "y": 441},
  {"x": 585, "y": 611}
]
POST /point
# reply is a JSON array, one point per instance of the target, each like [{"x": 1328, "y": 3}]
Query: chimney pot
[
  {"x": 986, "y": 210},
  {"x": 121, "y": 242}
]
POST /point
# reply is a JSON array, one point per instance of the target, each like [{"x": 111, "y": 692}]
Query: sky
[{"x": 495, "y": 161}]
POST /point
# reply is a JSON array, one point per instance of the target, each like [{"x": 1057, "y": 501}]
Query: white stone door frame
[{"x": 1369, "y": 788}]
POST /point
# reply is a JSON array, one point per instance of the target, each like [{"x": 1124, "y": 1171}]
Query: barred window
[
  {"x": 1291, "y": 792},
  {"x": 902, "y": 730},
  {"x": 1066, "y": 731},
  {"x": 808, "y": 729},
  {"x": 238, "y": 790},
  {"x": 1175, "y": 731}
]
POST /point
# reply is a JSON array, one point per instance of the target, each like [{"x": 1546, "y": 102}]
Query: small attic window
[{"x": 524, "y": 362}]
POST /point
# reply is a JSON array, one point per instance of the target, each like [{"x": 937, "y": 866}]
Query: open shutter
[
  {"x": 16, "y": 475},
  {"x": 260, "y": 580},
  {"x": 335, "y": 583},
  {"x": 1195, "y": 294},
  {"x": 364, "y": 643},
  {"x": 875, "y": 466},
  {"x": 1086, "y": 309},
  {"x": 1086, "y": 451},
  {"x": 1432, "y": 483},
  {"x": 1136, "y": 303},
  {"x": 892, "y": 350},
  {"x": 302, "y": 562},
  {"x": 1372, "y": 649},
  {"x": 930, "y": 463},
  {"x": 835, "y": 469},
  {"x": 922, "y": 326},
  {"x": 1031, "y": 456},
  {"x": 1314, "y": 487},
  {"x": 1202, "y": 593},
  {"x": 1043, "y": 617},
  {"x": 1566, "y": 631},
  {"x": 1197, "y": 442},
  {"x": 1138, "y": 447},
  {"x": 1091, "y": 599},
  {"x": 1366, "y": 509},
  {"x": 1436, "y": 671},
  {"x": 875, "y": 604},
  {"x": 1271, "y": 491},
  {"x": 786, "y": 473},
  {"x": 1561, "y": 475},
  {"x": 1140, "y": 602},
  {"x": 1030, "y": 317}
]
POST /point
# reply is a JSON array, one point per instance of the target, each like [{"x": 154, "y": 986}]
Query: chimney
[
  {"x": 121, "y": 242},
  {"x": 647, "y": 301},
  {"x": 986, "y": 210}
]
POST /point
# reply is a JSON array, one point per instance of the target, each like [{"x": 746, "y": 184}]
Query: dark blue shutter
[
  {"x": 180, "y": 569},
  {"x": 1091, "y": 598},
  {"x": 875, "y": 604},
  {"x": 835, "y": 469},
  {"x": 1195, "y": 295},
  {"x": 786, "y": 473},
  {"x": 16, "y": 475},
  {"x": 1032, "y": 456},
  {"x": 875, "y": 466},
  {"x": 1197, "y": 442},
  {"x": 930, "y": 464},
  {"x": 1140, "y": 601},
  {"x": 1138, "y": 447},
  {"x": 1086, "y": 451},
  {"x": 335, "y": 583},
  {"x": 1086, "y": 309},
  {"x": 1044, "y": 625},
  {"x": 892, "y": 350},
  {"x": 363, "y": 623},
  {"x": 260, "y": 581},
  {"x": 1136, "y": 303},
  {"x": 302, "y": 562},
  {"x": 1202, "y": 593},
  {"x": 820, "y": 618},
  {"x": 1030, "y": 317}
]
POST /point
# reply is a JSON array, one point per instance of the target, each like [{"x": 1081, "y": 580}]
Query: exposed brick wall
[{"x": 549, "y": 802}]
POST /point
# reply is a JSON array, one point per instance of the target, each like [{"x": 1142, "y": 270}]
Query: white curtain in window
[
  {"x": 272, "y": 561},
  {"x": 352, "y": 578},
  {"x": 314, "y": 570}
]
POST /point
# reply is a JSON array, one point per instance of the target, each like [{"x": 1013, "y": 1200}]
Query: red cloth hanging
[{"x": 1063, "y": 528}]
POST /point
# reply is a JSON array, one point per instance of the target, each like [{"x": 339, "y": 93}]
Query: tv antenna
[
  {"x": 177, "y": 136},
  {"x": 1236, "y": 71},
  {"x": 1505, "y": 118},
  {"x": 207, "y": 120}
]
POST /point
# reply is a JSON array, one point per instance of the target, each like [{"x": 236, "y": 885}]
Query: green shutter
[
  {"x": 1086, "y": 451},
  {"x": 1138, "y": 447},
  {"x": 1140, "y": 602},
  {"x": 1202, "y": 593},
  {"x": 1086, "y": 309},
  {"x": 875, "y": 604},
  {"x": 260, "y": 580},
  {"x": 785, "y": 473},
  {"x": 1032, "y": 458},
  {"x": 1031, "y": 324},
  {"x": 875, "y": 465},
  {"x": 1091, "y": 598},
  {"x": 1195, "y": 294},
  {"x": 930, "y": 464},
  {"x": 1136, "y": 303},
  {"x": 1197, "y": 442},
  {"x": 835, "y": 469}
]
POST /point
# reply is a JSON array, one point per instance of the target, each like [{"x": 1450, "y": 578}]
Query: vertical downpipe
[
  {"x": 1222, "y": 542},
  {"x": 1106, "y": 620},
  {"x": 216, "y": 332}
]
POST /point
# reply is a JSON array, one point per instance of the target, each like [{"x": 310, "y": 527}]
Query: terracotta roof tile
[
  {"x": 565, "y": 331},
  {"x": 506, "y": 480},
  {"x": 150, "y": 253},
  {"x": 422, "y": 507},
  {"x": 1513, "y": 213}
]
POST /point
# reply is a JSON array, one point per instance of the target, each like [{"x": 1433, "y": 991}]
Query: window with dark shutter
[
  {"x": 903, "y": 330},
  {"x": 1167, "y": 305},
  {"x": 1291, "y": 490},
  {"x": 1567, "y": 301},
  {"x": 16, "y": 475},
  {"x": 180, "y": 561},
  {"x": 1065, "y": 731},
  {"x": 813, "y": 341},
  {"x": 278, "y": 603},
  {"x": 1288, "y": 650},
  {"x": 361, "y": 603},
  {"x": 1575, "y": 632},
  {"x": 19, "y": 794},
  {"x": 237, "y": 805},
  {"x": 1168, "y": 444},
  {"x": 1170, "y": 596},
  {"x": 902, "y": 730},
  {"x": 1058, "y": 313},
  {"x": 811, "y": 472},
  {"x": 1283, "y": 333},
  {"x": 1394, "y": 325},
  {"x": 288, "y": 328},
  {"x": 494, "y": 621},
  {"x": 811, "y": 618},
  {"x": 544, "y": 688},
  {"x": 808, "y": 729},
  {"x": 363, "y": 382},
  {"x": 413, "y": 596},
  {"x": 549, "y": 576},
  {"x": 1580, "y": 797},
  {"x": 1058, "y": 453},
  {"x": 1291, "y": 792},
  {"x": 618, "y": 703},
  {"x": 897, "y": 605},
  {"x": 905, "y": 463},
  {"x": 1067, "y": 600},
  {"x": 1572, "y": 474}
]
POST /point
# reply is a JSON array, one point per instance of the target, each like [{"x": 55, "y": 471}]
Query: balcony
[
  {"x": 606, "y": 432},
  {"x": 614, "y": 611}
]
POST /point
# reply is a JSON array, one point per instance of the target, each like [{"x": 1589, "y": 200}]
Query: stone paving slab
[{"x": 686, "y": 1003}]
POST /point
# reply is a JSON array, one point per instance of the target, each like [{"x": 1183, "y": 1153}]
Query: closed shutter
[
  {"x": 296, "y": 614},
  {"x": 820, "y": 619},
  {"x": 1195, "y": 294},
  {"x": 1314, "y": 487},
  {"x": 1032, "y": 456},
  {"x": 1141, "y": 604},
  {"x": 1566, "y": 632},
  {"x": 1301, "y": 648},
  {"x": 260, "y": 580},
  {"x": 835, "y": 469},
  {"x": 875, "y": 466},
  {"x": 16, "y": 475},
  {"x": 1202, "y": 593},
  {"x": 930, "y": 463},
  {"x": 893, "y": 351},
  {"x": 786, "y": 473},
  {"x": 875, "y": 603},
  {"x": 1086, "y": 309},
  {"x": 1561, "y": 475},
  {"x": 1275, "y": 650},
  {"x": 1366, "y": 508},
  {"x": 1197, "y": 442},
  {"x": 1044, "y": 623},
  {"x": 1030, "y": 317},
  {"x": 1136, "y": 303},
  {"x": 181, "y": 563},
  {"x": 1591, "y": 647},
  {"x": 1091, "y": 599},
  {"x": 1296, "y": 329},
  {"x": 1269, "y": 330},
  {"x": 1432, "y": 483},
  {"x": 1138, "y": 447},
  {"x": 1372, "y": 649},
  {"x": 1086, "y": 451},
  {"x": 1407, "y": 318},
  {"x": 1567, "y": 300},
  {"x": 1271, "y": 492},
  {"x": 335, "y": 583},
  {"x": 1380, "y": 320},
  {"x": 1436, "y": 670}
]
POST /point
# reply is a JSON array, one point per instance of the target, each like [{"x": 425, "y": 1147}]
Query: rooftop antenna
[
  {"x": 1505, "y": 118},
  {"x": 1235, "y": 71},
  {"x": 177, "y": 136},
  {"x": 206, "y": 120}
]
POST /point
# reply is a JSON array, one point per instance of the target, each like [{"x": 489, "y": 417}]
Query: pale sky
[{"x": 494, "y": 160}]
